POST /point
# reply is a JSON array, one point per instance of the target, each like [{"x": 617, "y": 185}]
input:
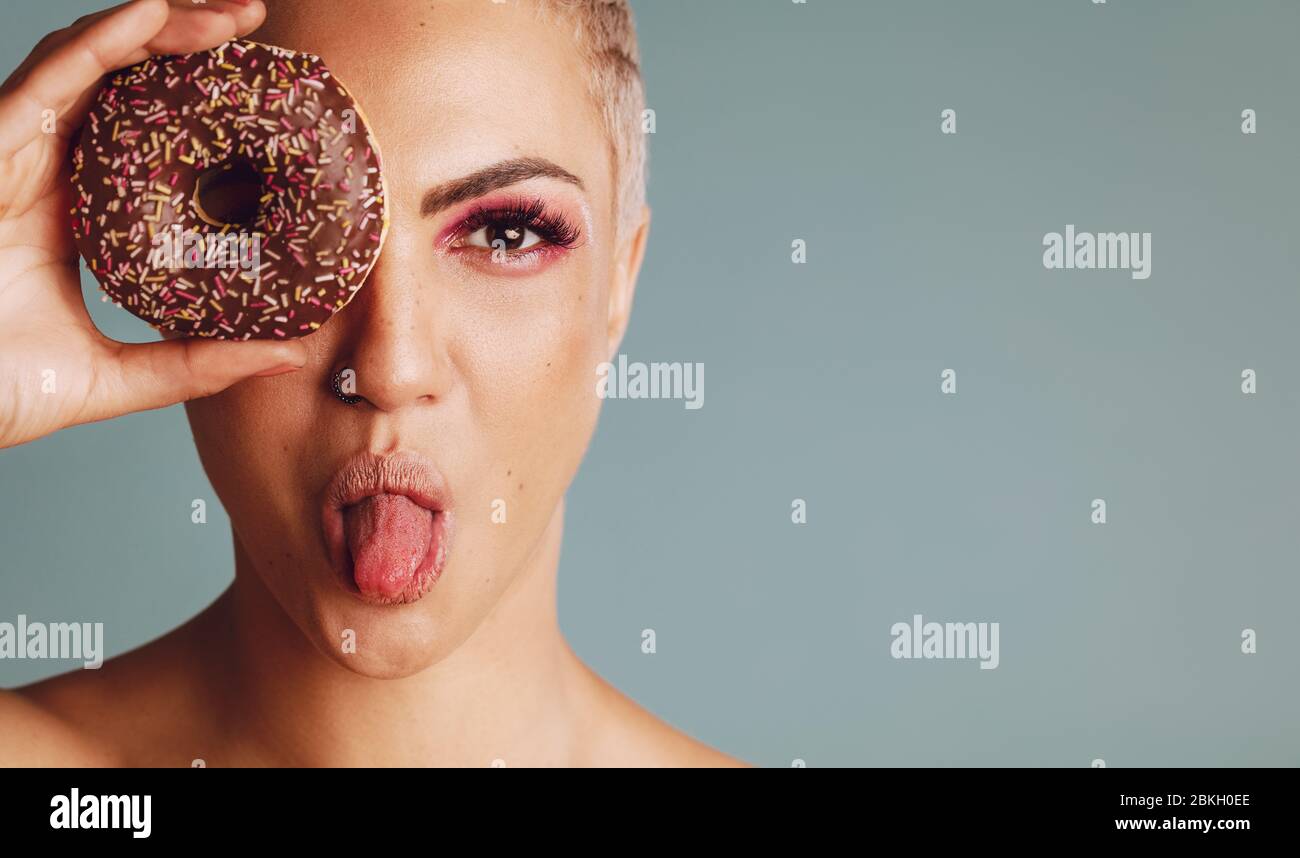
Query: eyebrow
[{"x": 499, "y": 175}]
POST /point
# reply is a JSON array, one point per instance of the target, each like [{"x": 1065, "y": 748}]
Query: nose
[{"x": 397, "y": 335}]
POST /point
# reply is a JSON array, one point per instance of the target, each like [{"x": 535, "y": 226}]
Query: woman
[{"x": 395, "y": 551}]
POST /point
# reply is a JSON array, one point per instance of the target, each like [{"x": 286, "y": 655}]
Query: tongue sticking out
[{"x": 389, "y": 537}]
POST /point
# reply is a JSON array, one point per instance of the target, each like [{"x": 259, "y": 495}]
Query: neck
[{"x": 504, "y": 695}]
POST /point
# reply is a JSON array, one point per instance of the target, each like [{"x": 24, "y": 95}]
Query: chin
[{"x": 388, "y": 642}]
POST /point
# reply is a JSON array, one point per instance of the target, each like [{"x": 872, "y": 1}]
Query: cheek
[
  {"x": 248, "y": 440},
  {"x": 531, "y": 368}
]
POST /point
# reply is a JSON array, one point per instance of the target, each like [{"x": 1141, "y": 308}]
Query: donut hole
[{"x": 229, "y": 194}]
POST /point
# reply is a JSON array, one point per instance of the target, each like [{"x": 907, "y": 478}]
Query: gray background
[{"x": 820, "y": 121}]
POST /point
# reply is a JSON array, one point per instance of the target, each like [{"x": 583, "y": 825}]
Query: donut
[{"x": 232, "y": 193}]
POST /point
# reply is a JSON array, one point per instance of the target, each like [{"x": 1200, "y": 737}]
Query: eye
[
  {"x": 522, "y": 233},
  {"x": 503, "y": 235}
]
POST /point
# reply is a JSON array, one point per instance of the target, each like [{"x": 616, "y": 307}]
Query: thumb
[
  {"x": 158, "y": 374},
  {"x": 67, "y": 73}
]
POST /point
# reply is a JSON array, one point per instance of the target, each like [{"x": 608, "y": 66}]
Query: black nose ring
[{"x": 336, "y": 384}]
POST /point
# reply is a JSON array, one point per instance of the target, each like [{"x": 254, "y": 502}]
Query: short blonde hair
[{"x": 606, "y": 35}]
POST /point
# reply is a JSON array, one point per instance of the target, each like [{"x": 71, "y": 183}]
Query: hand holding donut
[{"x": 56, "y": 368}]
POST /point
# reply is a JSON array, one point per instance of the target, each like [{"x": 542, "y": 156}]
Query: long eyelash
[{"x": 530, "y": 214}]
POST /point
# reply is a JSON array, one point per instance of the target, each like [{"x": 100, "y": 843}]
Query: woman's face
[{"x": 483, "y": 365}]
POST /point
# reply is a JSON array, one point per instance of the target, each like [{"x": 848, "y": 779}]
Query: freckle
[
  {"x": 521, "y": 485},
  {"x": 508, "y": 473}
]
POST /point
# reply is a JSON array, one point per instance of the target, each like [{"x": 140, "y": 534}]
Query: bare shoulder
[
  {"x": 109, "y": 716},
  {"x": 625, "y": 734},
  {"x": 34, "y": 731}
]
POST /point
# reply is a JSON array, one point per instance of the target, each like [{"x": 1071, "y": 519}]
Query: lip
[{"x": 403, "y": 473}]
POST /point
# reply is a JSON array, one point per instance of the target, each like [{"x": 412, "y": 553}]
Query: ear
[{"x": 627, "y": 267}]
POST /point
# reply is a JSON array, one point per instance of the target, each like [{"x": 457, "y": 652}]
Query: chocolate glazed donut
[{"x": 233, "y": 193}]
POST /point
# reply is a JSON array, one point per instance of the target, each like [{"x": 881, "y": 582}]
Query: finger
[
  {"x": 63, "y": 73},
  {"x": 198, "y": 27},
  {"x": 248, "y": 14},
  {"x": 189, "y": 28},
  {"x": 154, "y": 375},
  {"x": 50, "y": 41},
  {"x": 75, "y": 65}
]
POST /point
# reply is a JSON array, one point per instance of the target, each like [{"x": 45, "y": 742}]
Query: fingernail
[{"x": 278, "y": 370}]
